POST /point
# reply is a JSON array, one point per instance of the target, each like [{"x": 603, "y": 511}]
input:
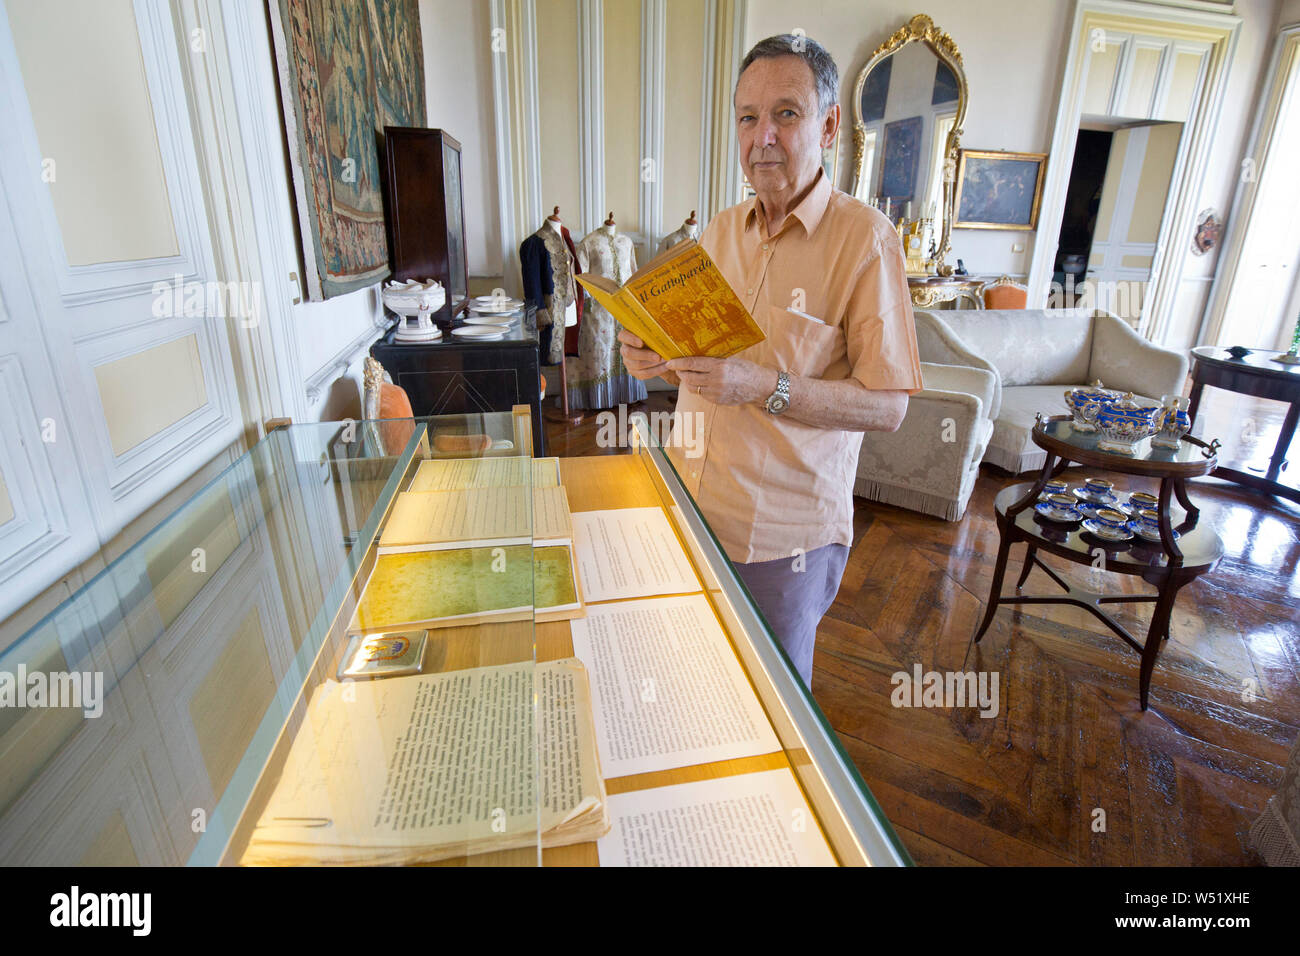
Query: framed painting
[
  {"x": 997, "y": 190},
  {"x": 346, "y": 71},
  {"x": 900, "y": 157}
]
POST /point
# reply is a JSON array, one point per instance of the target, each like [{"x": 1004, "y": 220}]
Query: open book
[
  {"x": 417, "y": 769},
  {"x": 679, "y": 304}
]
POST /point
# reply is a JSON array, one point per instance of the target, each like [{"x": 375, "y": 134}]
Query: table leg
[
  {"x": 1180, "y": 489},
  {"x": 1004, "y": 546},
  {"x": 1194, "y": 400},
  {"x": 1283, "y": 441},
  {"x": 1030, "y": 551},
  {"x": 1031, "y": 496},
  {"x": 1166, "y": 530},
  {"x": 1156, "y": 634}
]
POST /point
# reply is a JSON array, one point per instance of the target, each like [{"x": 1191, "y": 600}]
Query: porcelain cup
[
  {"x": 1111, "y": 519},
  {"x": 1150, "y": 520},
  {"x": 1139, "y": 500},
  {"x": 1098, "y": 487},
  {"x": 1063, "y": 504},
  {"x": 1054, "y": 486}
]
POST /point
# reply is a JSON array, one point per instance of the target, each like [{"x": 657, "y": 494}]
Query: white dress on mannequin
[{"x": 599, "y": 379}]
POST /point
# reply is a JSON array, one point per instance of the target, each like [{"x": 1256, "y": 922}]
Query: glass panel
[
  {"x": 195, "y": 687},
  {"x": 851, "y": 820}
]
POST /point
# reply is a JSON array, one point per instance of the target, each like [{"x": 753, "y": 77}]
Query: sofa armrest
[
  {"x": 939, "y": 345},
  {"x": 979, "y": 382},
  {"x": 1126, "y": 361}
]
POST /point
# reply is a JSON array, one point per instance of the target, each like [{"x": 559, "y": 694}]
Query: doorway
[{"x": 1079, "y": 221}]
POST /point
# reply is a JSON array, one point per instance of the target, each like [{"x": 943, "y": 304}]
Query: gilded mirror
[{"x": 908, "y": 107}]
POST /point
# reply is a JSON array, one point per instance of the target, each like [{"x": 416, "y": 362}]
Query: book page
[
  {"x": 422, "y": 520},
  {"x": 451, "y": 474},
  {"x": 428, "y": 520},
  {"x": 422, "y": 768},
  {"x": 751, "y": 819},
  {"x": 666, "y": 687},
  {"x": 629, "y": 553}
]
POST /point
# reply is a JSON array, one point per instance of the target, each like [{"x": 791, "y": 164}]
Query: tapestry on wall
[{"x": 347, "y": 69}]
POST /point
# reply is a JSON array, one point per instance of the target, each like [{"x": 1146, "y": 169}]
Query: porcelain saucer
[
  {"x": 1145, "y": 535},
  {"x": 1106, "y": 534},
  {"x": 1051, "y": 514},
  {"x": 1087, "y": 496}
]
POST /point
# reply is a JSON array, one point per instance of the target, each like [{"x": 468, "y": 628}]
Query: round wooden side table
[{"x": 1169, "y": 564}]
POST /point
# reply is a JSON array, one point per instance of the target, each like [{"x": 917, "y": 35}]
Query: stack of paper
[
  {"x": 476, "y": 517},
  {"x": 426, "y": 768}
]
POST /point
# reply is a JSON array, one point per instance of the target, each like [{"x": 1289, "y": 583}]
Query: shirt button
[
  {"x": 749, "y": 292},
  {"x": 765, "y": 247}
]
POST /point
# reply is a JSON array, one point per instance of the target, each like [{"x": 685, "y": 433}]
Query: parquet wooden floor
[{"x": 1070, "y": 770}]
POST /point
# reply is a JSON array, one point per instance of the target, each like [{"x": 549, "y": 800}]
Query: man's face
[{"x": 781, "y": 130}]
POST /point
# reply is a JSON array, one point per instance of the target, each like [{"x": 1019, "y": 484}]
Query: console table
[
  {"x": 1168, "y": 565},
  {"x": 460, "y": 376},
  {"x": 1254, "y": 374}
]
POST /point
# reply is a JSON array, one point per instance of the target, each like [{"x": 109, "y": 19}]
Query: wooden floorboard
[{"x": 1069, "y": 770}]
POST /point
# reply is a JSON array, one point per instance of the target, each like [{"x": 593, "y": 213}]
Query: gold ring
[{"x": 699, "y": 389}]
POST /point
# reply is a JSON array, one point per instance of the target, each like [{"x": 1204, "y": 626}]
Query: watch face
[{"x": 776, "y": 404}]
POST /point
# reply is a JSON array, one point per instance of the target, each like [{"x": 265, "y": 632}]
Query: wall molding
[
  {"x": 591, "y": 114},
  {"x": 654, "y": 54}
]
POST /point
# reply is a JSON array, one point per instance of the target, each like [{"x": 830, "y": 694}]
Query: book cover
[
  {"x": 679, "y": 304},
  {"x": 468, "y": 585}
]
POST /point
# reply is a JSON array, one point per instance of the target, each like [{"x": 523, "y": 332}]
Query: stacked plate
[
  {"x": 494, "y": 304},
  {"x": 479, "y": 333}
]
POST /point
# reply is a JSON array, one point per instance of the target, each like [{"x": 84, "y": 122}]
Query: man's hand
[
  {"x": 729, "y": 381},
  {"x": 642, "y": 363}
]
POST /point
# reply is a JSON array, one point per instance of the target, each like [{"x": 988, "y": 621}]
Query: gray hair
[{"x": 826, "y": 77}]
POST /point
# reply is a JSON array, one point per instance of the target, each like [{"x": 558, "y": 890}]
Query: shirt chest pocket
[{"x": 797, "y": 343}]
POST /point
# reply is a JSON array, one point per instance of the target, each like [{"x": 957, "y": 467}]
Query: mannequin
[
  {"x": 690, "y": 229},
  {"x": 600, "y": 380},
  {"x": 549, "y": 262}
]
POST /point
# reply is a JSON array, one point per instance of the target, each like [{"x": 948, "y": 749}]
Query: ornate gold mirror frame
[{"x": 920, "y": 29}]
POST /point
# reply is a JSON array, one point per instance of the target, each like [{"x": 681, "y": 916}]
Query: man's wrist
[{"x": 768, "y": 381}]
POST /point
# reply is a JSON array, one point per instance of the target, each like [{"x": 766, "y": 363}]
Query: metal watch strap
[{"x": 779, "y": 400}]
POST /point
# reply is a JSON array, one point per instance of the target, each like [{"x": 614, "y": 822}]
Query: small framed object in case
[
  {"x": 424, "y": 208},
  {"x": 385, "y": 655}
]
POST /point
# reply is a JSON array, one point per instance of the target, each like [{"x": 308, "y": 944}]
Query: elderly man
[{"x": 823, "y": 275}]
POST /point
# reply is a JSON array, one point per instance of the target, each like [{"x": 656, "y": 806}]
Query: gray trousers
[{"x": 795, "y": 601}]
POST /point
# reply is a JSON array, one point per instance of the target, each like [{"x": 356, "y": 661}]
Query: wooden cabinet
[{"x": 424, "y": 208}]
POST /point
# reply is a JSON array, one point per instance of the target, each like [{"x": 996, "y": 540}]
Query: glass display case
[{"x": 413, "y": 642}]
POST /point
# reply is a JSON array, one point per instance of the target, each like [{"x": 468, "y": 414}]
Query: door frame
[{"x": 1219, "y": 31}]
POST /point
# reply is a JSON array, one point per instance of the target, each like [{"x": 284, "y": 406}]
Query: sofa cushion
[
  {"x": 1012, "y": 445},
  {"x": 1028, "y": 346}
]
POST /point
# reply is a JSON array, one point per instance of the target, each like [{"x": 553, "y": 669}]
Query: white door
[
  {"x": 115, "y": 358},
  {"x": 1132, "y": 207}
]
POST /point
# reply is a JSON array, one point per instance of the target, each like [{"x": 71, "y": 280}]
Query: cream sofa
[
  {"x": 1036, "y": 355},
  {"x": 986, "y": 374}
]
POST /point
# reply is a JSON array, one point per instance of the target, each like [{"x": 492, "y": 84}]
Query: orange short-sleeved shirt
[{"x": 830, "y": 291}]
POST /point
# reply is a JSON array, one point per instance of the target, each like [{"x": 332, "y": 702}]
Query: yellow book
[{"x": 679, "y": 304}]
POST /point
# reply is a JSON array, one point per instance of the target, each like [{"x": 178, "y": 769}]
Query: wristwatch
[{"x": 779, "y": 400}]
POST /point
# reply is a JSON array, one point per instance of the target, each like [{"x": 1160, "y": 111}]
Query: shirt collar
[{"x": 809, "y": 212}]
